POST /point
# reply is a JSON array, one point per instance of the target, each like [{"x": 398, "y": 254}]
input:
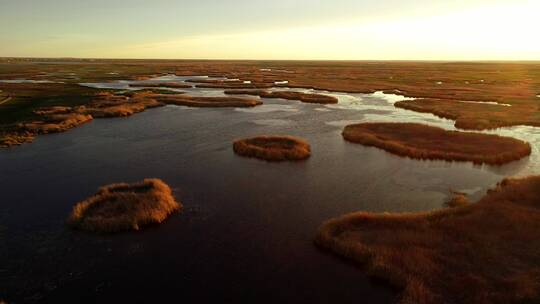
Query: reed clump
[
  {"x": 120, "y": 207},
  {"x": 273, "y": 148}
]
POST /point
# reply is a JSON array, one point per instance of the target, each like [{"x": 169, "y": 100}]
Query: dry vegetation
[
  {"x": 173, "y": 85},
  {"x": 426, "y": 142},
  {"x": 448, "y": 83},
  {"x": 477, "y": 116},
  {"x": 120, "y": 207},
  {"x": 273, "y": 148},
  {"x": 214, "y": 102},
  {"x": 458, "y": 199},
  {"x": 440, "y": 85},
  {"x": 111, "y": 105},
  {"x": 62, "y": 118},
  {"x": 303, "y": 97},
  {"x": 487, "y": 252}
]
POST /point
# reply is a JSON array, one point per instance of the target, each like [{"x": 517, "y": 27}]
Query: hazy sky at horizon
[{"x": 278, "y": 29}]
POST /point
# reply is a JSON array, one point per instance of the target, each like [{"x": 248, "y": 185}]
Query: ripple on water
[
  {"x": 268, "y": 108},
  {"x": 273, "y": 122},
  {"x": 343, "y": 123}
]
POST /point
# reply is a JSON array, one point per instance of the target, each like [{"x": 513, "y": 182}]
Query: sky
[{"x": 276, "y": 29}]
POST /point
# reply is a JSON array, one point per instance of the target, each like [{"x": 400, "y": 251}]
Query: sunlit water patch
[
  {"x": 268, "y": 108},
  {"x": 486, "y": 102},
  {"x": 374, "y": 107}
]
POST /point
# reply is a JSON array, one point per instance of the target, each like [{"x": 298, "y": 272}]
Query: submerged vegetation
[
  {"x": 120, "y": 207},
  {"x": 426, "y": 142},
  {"x": 273, "y": 148},
  {"x": 487, "y": 252}
]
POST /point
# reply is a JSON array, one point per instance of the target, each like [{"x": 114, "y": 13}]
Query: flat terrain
[
  {"x": 445, "y": 84},
  {"x": 247, "y": 226}
]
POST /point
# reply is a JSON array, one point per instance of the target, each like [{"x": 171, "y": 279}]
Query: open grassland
[
  {"x": 426, "y": 142},
  {"x": 273, "y": 148},
  {"x": 120, "y": 207},
  {"x": 487, "y": 252},
  {"x": 440, "y": 85},
  {"x": 478, "y": 116}
]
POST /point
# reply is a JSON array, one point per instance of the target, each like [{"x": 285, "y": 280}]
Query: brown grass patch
[
  {"x": 273, "y": 148},
  {"x": 120, "y": 207},
  {"x": 15, "y": 138},
  {"x": 303, "y": 97},
  {"x": 426, "y": 142},
  {"x": 62, "y": 118},
  {"x": 487, "y": 252},
  {"x": 476, "y": 116},
  {"x": 109, "y": 105},
  {"x": 458, "y": 199},
  {"x": 208, "y": 102},
  {"x": 54, "y": 123}
]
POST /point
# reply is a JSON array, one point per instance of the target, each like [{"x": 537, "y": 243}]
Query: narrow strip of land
[{"x": 6, "y": 100}]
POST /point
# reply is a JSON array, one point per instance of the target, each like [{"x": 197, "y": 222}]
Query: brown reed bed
[
  {"x": 303, "y": 97},
  {"x": 486, "y": 252},
  {"x": 425, "y": 142},
  {"x": 208, "y": 102}
]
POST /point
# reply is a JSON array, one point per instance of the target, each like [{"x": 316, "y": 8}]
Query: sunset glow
[{"x": 466, "y": 30}]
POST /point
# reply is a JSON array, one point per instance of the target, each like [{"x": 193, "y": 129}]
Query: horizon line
[{"x": 276, "y": 60}]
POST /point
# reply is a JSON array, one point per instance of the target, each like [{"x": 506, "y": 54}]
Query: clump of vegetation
[
  {"x": 273, "y": 148},
  {"x": 485, "y": 252},
  {"x": 475, "y": 116},
  {"x": 111, "y": 105},
  {"x": 303, "y": 97},
  {"x": 62, "y": 118},
  {"x": 208, "y": 102},
  {"x": 120, "y": 207},
  {"x": 458, "y": 199},
  {"x": 426, "y": 142},
  {"x": 55, "y": 119},
  {"x": 15, "y": 138}
]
